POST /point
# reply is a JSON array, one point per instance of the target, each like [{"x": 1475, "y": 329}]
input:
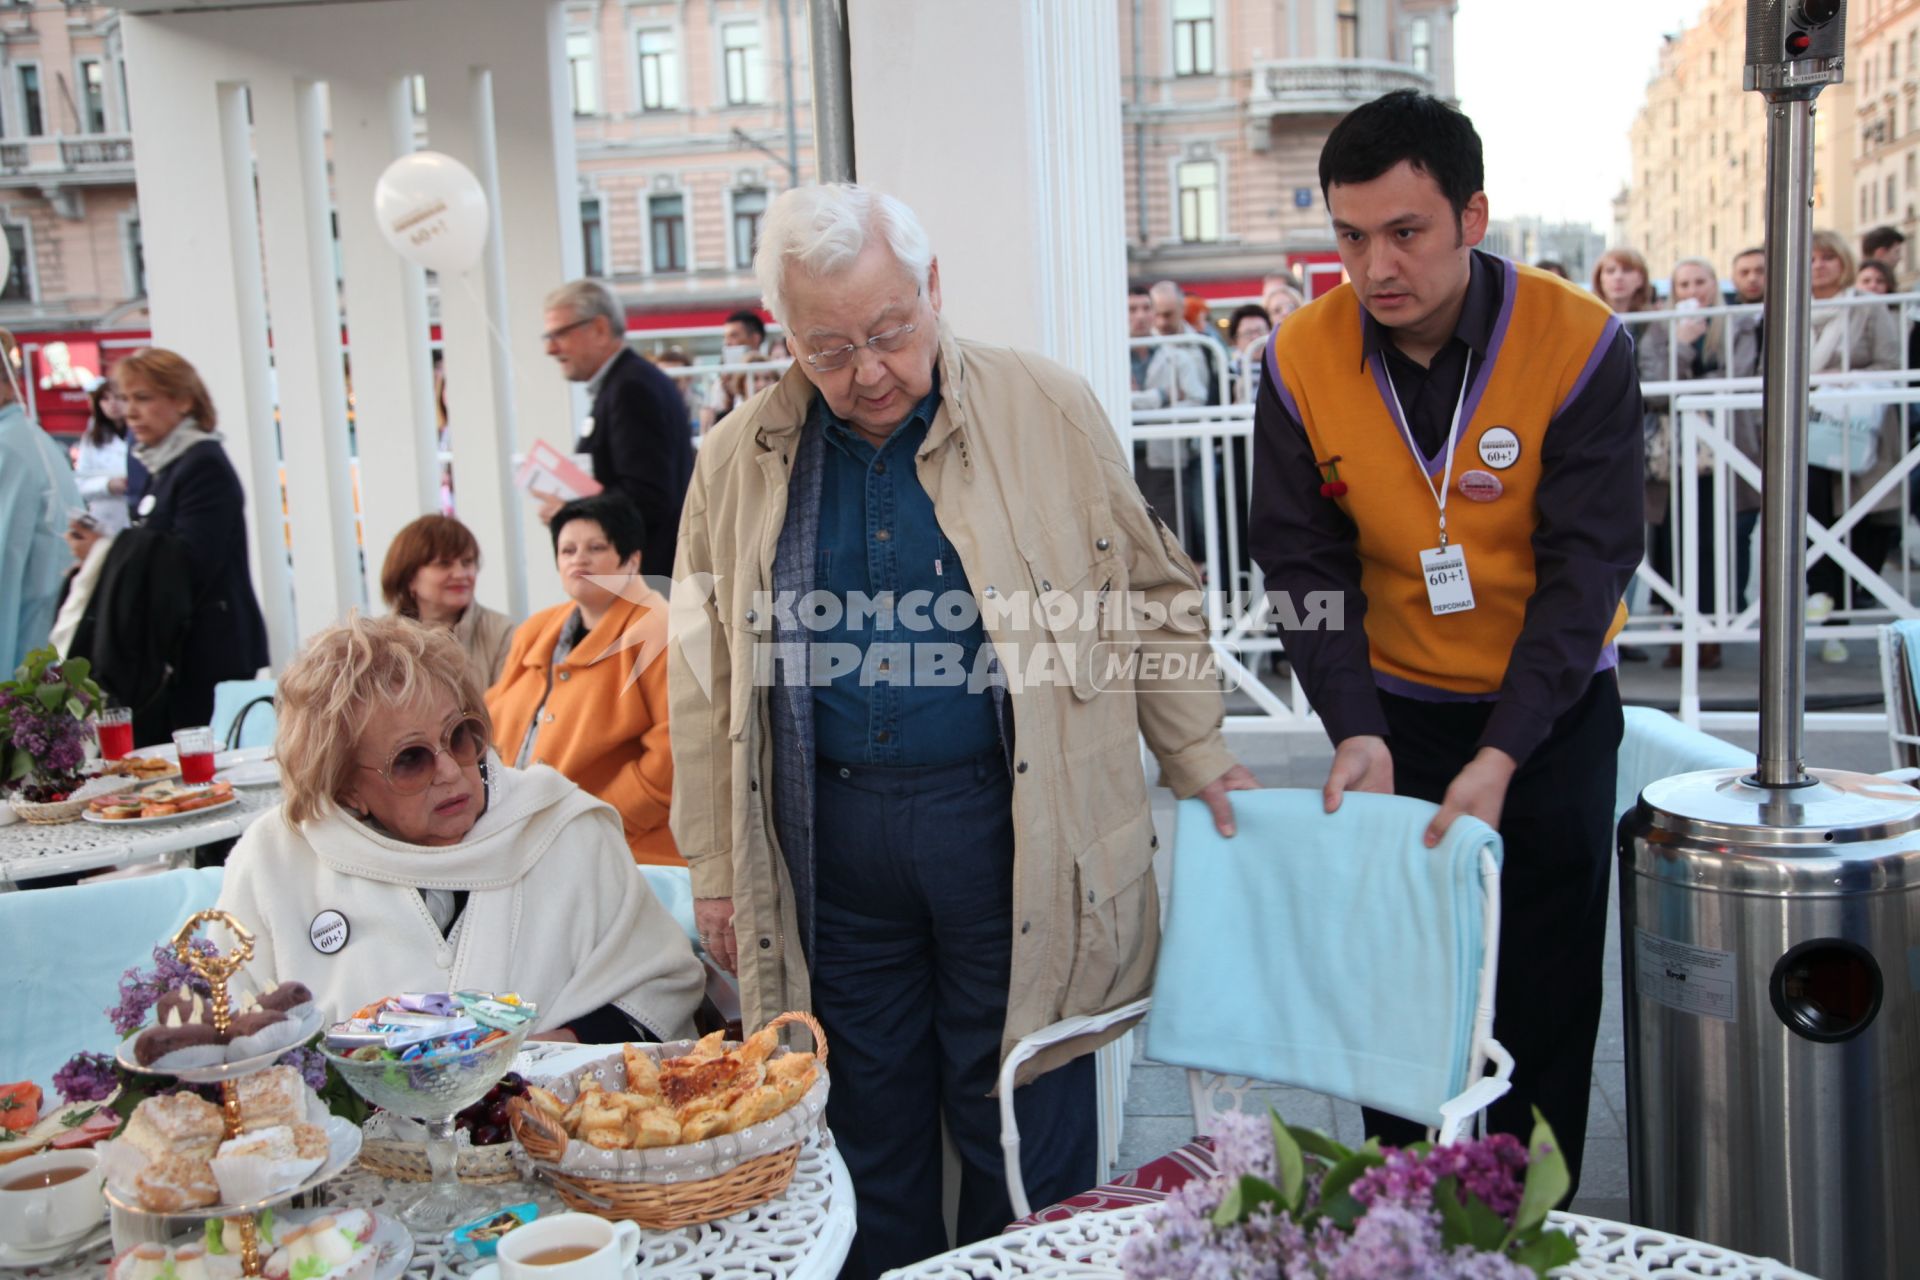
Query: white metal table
[
  {"x": 801, "y": 1234},
  {"x": 31, "y": 852},
  {"x": 1087, "y": 1247}
]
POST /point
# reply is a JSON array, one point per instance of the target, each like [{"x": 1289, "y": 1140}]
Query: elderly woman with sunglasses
[{"x": 406, "y": 858}]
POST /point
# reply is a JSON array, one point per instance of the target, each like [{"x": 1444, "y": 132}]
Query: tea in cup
[
  {"x": 51, "y": 1199},
  {"x": 567, "y": 1246}
]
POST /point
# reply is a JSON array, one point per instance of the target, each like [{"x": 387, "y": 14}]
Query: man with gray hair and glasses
[
  {"x": 639, "y": 433},
  {"x": 906, "y": 717}
]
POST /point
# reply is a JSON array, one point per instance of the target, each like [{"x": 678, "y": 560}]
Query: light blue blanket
[
  {"x": 62, "y": 952},
  {"x": 1330, "y": 951},
  {"x": 1656, "y": 746}
]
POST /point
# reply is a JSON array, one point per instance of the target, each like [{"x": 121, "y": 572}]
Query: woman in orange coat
[{"x": 584, "y": 688}]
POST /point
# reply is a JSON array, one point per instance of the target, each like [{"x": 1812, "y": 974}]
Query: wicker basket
[
  {"x": 48, "y": 815},
  {"x": 663, "y": 1206},
  {"x": 407, "y": 1162}
]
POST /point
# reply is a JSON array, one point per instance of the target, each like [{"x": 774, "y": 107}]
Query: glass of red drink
[
  {"x": 196, "y": 754},
  {"x": 114, "y": 727}
]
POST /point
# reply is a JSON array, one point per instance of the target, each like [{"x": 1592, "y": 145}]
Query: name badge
[
  {"x": 1449, "y": 590},
  {"x": 146, "y": 506},
  {"x": 328, "y": 932},
  {"x": 586, "y": 427}
]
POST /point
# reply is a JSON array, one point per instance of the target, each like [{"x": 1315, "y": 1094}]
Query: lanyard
[{"x": 1453, "y": 437}]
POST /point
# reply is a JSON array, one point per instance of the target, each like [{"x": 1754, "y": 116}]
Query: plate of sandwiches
[
  {"x": 146, "y": 768},
  {"x": 161, "y": 802}
]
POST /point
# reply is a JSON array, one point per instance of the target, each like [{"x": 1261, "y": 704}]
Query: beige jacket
[
  {"x": 487, "y": 636},
  {"x": 1030, "y": 485}
]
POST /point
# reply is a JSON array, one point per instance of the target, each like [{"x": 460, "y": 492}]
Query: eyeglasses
[
  {"x": 840, "y": 357},
  {"x": 412, "y": 768},
  {"x": 551, "y": 334}
]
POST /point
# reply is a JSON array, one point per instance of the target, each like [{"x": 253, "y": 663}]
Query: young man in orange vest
[{"x": 1453, "y": 441}]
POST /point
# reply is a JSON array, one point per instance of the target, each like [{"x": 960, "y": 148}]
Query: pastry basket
[{"x": 666, "y": 1188}]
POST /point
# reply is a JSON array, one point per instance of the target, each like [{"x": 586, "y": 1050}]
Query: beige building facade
[
  {"x": 1698, "y": 176},
  {"x": 1884, "y": 64}
]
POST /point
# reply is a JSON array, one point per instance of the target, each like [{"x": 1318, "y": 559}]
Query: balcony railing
[
  {"x": 14, "y": 156},
  {"x": 96, "y": 152},
  {"x": 1316, "y": 86}
]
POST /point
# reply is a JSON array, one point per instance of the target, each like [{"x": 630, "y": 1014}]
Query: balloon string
[{"x": 486, "y": 313}]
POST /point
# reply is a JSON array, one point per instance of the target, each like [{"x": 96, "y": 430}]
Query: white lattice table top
[
  {"x": 29, "y": 851},
  {"x": 802, "y": 1234},
  {"x": 1087, "y": 1247}
]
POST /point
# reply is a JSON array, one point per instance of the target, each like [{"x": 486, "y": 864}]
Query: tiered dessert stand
[{"x": 343, "y": 1138}]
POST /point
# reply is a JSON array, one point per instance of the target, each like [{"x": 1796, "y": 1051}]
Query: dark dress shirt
[
  {"x": 879, "y": 540},
  {"x": 1587, "y": 543}
]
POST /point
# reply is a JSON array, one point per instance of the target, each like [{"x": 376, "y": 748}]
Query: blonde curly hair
[{"x": 342, "y": 675}]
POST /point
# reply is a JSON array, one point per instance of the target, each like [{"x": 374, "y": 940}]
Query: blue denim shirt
[{"x": 903, "y": 687}]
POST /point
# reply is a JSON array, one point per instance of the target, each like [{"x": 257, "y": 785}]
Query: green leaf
[
  {"x": 1455, "y": 1228},
  {"x": 1287, "y": 1162},
  {"x": 77, "y": 669},
  {"x": 74, "y": 1119},
  {"x": 50, "y": 695},
  {"x": 1315, "y": 1143},
  {"x": 1546, "y": 1251},
  {"x": 75, "y": 708},
  {"x": 1335, "y": 1202},
  {"x": 1486, "y": 1230},
  {"x": 1243, "y": 1198},
  {"x": 1547, "y": 1179}
]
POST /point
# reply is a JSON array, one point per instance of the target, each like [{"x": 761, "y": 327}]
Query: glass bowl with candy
[{"x": 428, "y": 1057}]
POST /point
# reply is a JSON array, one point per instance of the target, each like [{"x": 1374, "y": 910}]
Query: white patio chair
[{"x": 1290, "y": 906}]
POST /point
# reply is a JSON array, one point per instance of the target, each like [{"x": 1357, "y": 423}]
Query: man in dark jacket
[{"x": 639, "y": 432}]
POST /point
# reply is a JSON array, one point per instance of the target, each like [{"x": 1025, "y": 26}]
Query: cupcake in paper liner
[
  {"x": 265, "y": 1162},
  {"x": 259, "y": 1032}
]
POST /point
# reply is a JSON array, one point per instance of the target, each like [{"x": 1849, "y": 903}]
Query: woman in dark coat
[{"x": 185, "y": 491}]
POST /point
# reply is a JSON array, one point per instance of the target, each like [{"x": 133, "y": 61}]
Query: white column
[
  {"x": 395, "y": 429},
  {"x": 1016, "y": 171},
  {"x": 309, "y": 364}
]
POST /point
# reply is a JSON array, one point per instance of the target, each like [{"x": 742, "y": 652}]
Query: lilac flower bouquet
[
  {"x": 1291, "y": 1204},
  {"x": 43, "y": 719}
]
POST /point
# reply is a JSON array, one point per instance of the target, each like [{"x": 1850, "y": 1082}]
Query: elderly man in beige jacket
[{"x": 921, "y": 619}]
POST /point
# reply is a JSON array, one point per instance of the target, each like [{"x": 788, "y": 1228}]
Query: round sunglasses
[{"x": 412, "y": 767}]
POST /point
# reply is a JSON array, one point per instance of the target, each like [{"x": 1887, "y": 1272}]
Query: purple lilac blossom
[{"x": 87, "y": 1077}]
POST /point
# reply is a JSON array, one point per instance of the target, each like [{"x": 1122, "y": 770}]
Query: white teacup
[
  {"x": 601, "y": 1250},
  {"x": 50, "y": 1199}
]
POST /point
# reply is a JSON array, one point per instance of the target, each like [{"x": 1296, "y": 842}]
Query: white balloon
[{"x": 432, "y": 211}]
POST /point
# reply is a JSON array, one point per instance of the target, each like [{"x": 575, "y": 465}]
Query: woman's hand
[{"x": 713, "y": 918}]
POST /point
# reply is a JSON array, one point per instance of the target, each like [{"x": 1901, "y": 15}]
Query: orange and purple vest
[{"x": 1547, "y": 341}]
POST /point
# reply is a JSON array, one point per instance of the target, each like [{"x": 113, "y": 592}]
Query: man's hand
[
  {"x": 1479, "y": 789},
  {"x": 548, "y": 505},
  {"x": 1360, "y": 763},
  {"x": 1238, "y": 778},
  {"x": 713, "y": 917}
]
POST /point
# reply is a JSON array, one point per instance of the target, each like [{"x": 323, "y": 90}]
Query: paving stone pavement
[{"x": 1159, "y": 1113}]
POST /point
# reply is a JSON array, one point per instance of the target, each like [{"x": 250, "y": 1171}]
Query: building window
[
  {"x": 416, "y": 90},
  {"x": 1347, "y": 23},
  {"x": 1199, "y": 182},
  {"x": 1193, "y": 37},
  {"x": 659, "y": 71},
  {"x": 136, "y": 259},
  {"x": 1420, "y": 45},
  {"x": 32, "y": 117},
  {"x": 1893, "y": 61},
  {"x": 1892, "y": 203},
  {"x": 667, "y": 223},
  {"x": 93, "y": 96},
  {"x": 746, "y": 70},
  {"x": 20, "y": 276},
  {"x": 749, "y": 206},
  {"x": 581, "y": 75},
  {"x": 593, "y": 237}
]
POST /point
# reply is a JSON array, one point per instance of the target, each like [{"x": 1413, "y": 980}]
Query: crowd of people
[{"x": 936, "y": 866}]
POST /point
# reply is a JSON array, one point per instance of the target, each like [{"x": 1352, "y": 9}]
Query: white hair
[{"x": 822, "y": 228}]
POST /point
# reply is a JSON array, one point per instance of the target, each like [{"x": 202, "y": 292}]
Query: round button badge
[
  {"x": 328, "y": 932},
  {"x": 1481, "y": 486},
  {"x": 1499, "y": 448}
]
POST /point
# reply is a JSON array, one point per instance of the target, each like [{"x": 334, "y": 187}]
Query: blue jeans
[{"x": 912, "y": 963}]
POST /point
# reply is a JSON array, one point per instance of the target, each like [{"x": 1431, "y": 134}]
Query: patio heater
[{"x": 1770, "y": 926}]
